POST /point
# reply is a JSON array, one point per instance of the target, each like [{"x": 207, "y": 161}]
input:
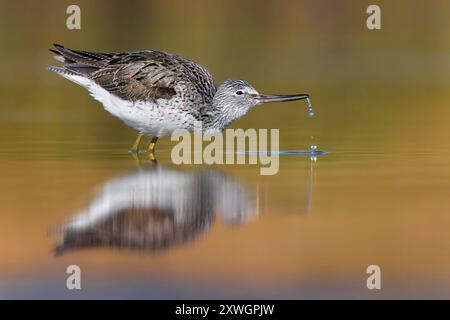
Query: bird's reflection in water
[{"x": 156, "y": 208}]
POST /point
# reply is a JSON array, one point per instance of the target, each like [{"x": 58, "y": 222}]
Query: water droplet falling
[{"x": 310, "y": 108}]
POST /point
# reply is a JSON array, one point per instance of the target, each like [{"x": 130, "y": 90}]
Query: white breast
[{"x": 159, "y": 118}]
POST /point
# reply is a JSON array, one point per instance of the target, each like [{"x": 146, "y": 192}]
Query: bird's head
[{"x": 234, "y": 98}]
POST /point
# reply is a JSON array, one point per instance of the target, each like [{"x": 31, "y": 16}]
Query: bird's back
[{"x": 141, "y": 75}]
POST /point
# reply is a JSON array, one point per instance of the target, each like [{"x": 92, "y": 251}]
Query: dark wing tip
[{"x": 57, "y": 49}]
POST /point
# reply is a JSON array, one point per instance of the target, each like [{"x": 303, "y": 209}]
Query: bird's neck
[{"x": 219, "y": 116}]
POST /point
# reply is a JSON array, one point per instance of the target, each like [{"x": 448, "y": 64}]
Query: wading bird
[{"x": 157, "y": 92}]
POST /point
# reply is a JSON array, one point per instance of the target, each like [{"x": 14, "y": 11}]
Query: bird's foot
[
  {"x": 136, "y": 159},
  {"x": 135, "y": 147},
  {"x": 151, "y": 147}
]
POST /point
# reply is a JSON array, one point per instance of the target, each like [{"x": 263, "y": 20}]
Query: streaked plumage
[{"x": 157, "y": 92}]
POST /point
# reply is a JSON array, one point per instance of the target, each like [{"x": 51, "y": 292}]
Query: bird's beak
[{"x": 262, "y": 98}]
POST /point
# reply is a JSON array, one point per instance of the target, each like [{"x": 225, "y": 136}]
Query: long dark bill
[{"x": 279, "y": 98}]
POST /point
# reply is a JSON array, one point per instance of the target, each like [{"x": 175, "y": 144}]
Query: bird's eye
[{"x": 239, "y": 92}]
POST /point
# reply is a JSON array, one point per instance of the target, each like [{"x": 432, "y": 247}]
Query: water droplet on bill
[{"x": 310, "y": 108}]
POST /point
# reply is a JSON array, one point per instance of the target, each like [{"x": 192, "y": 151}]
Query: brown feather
[{"x": 141, "y": 75}]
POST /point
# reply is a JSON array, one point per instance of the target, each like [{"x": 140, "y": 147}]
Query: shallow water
[
  {"x": 309, "y": 231},
  {"x": 379, "y": 195}
]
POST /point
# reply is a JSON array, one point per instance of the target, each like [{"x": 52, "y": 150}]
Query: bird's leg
[
  {"x": 151, "y": 146},
  {"x": 151, "y": 149},
  {"x": 135, "y": 146},
  {"x": 137, "y": 160}
]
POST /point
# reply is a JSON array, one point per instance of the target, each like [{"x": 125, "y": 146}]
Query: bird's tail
[{"x": 80, "y": 63}]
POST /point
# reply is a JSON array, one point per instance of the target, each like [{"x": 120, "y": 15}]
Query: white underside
[{"x": 159, "y": 118}]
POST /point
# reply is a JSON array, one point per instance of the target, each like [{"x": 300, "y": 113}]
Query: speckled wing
[{"x": 142, "y": 75}]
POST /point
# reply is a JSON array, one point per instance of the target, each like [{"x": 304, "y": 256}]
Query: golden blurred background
[{"x": 380, "y": 196}]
